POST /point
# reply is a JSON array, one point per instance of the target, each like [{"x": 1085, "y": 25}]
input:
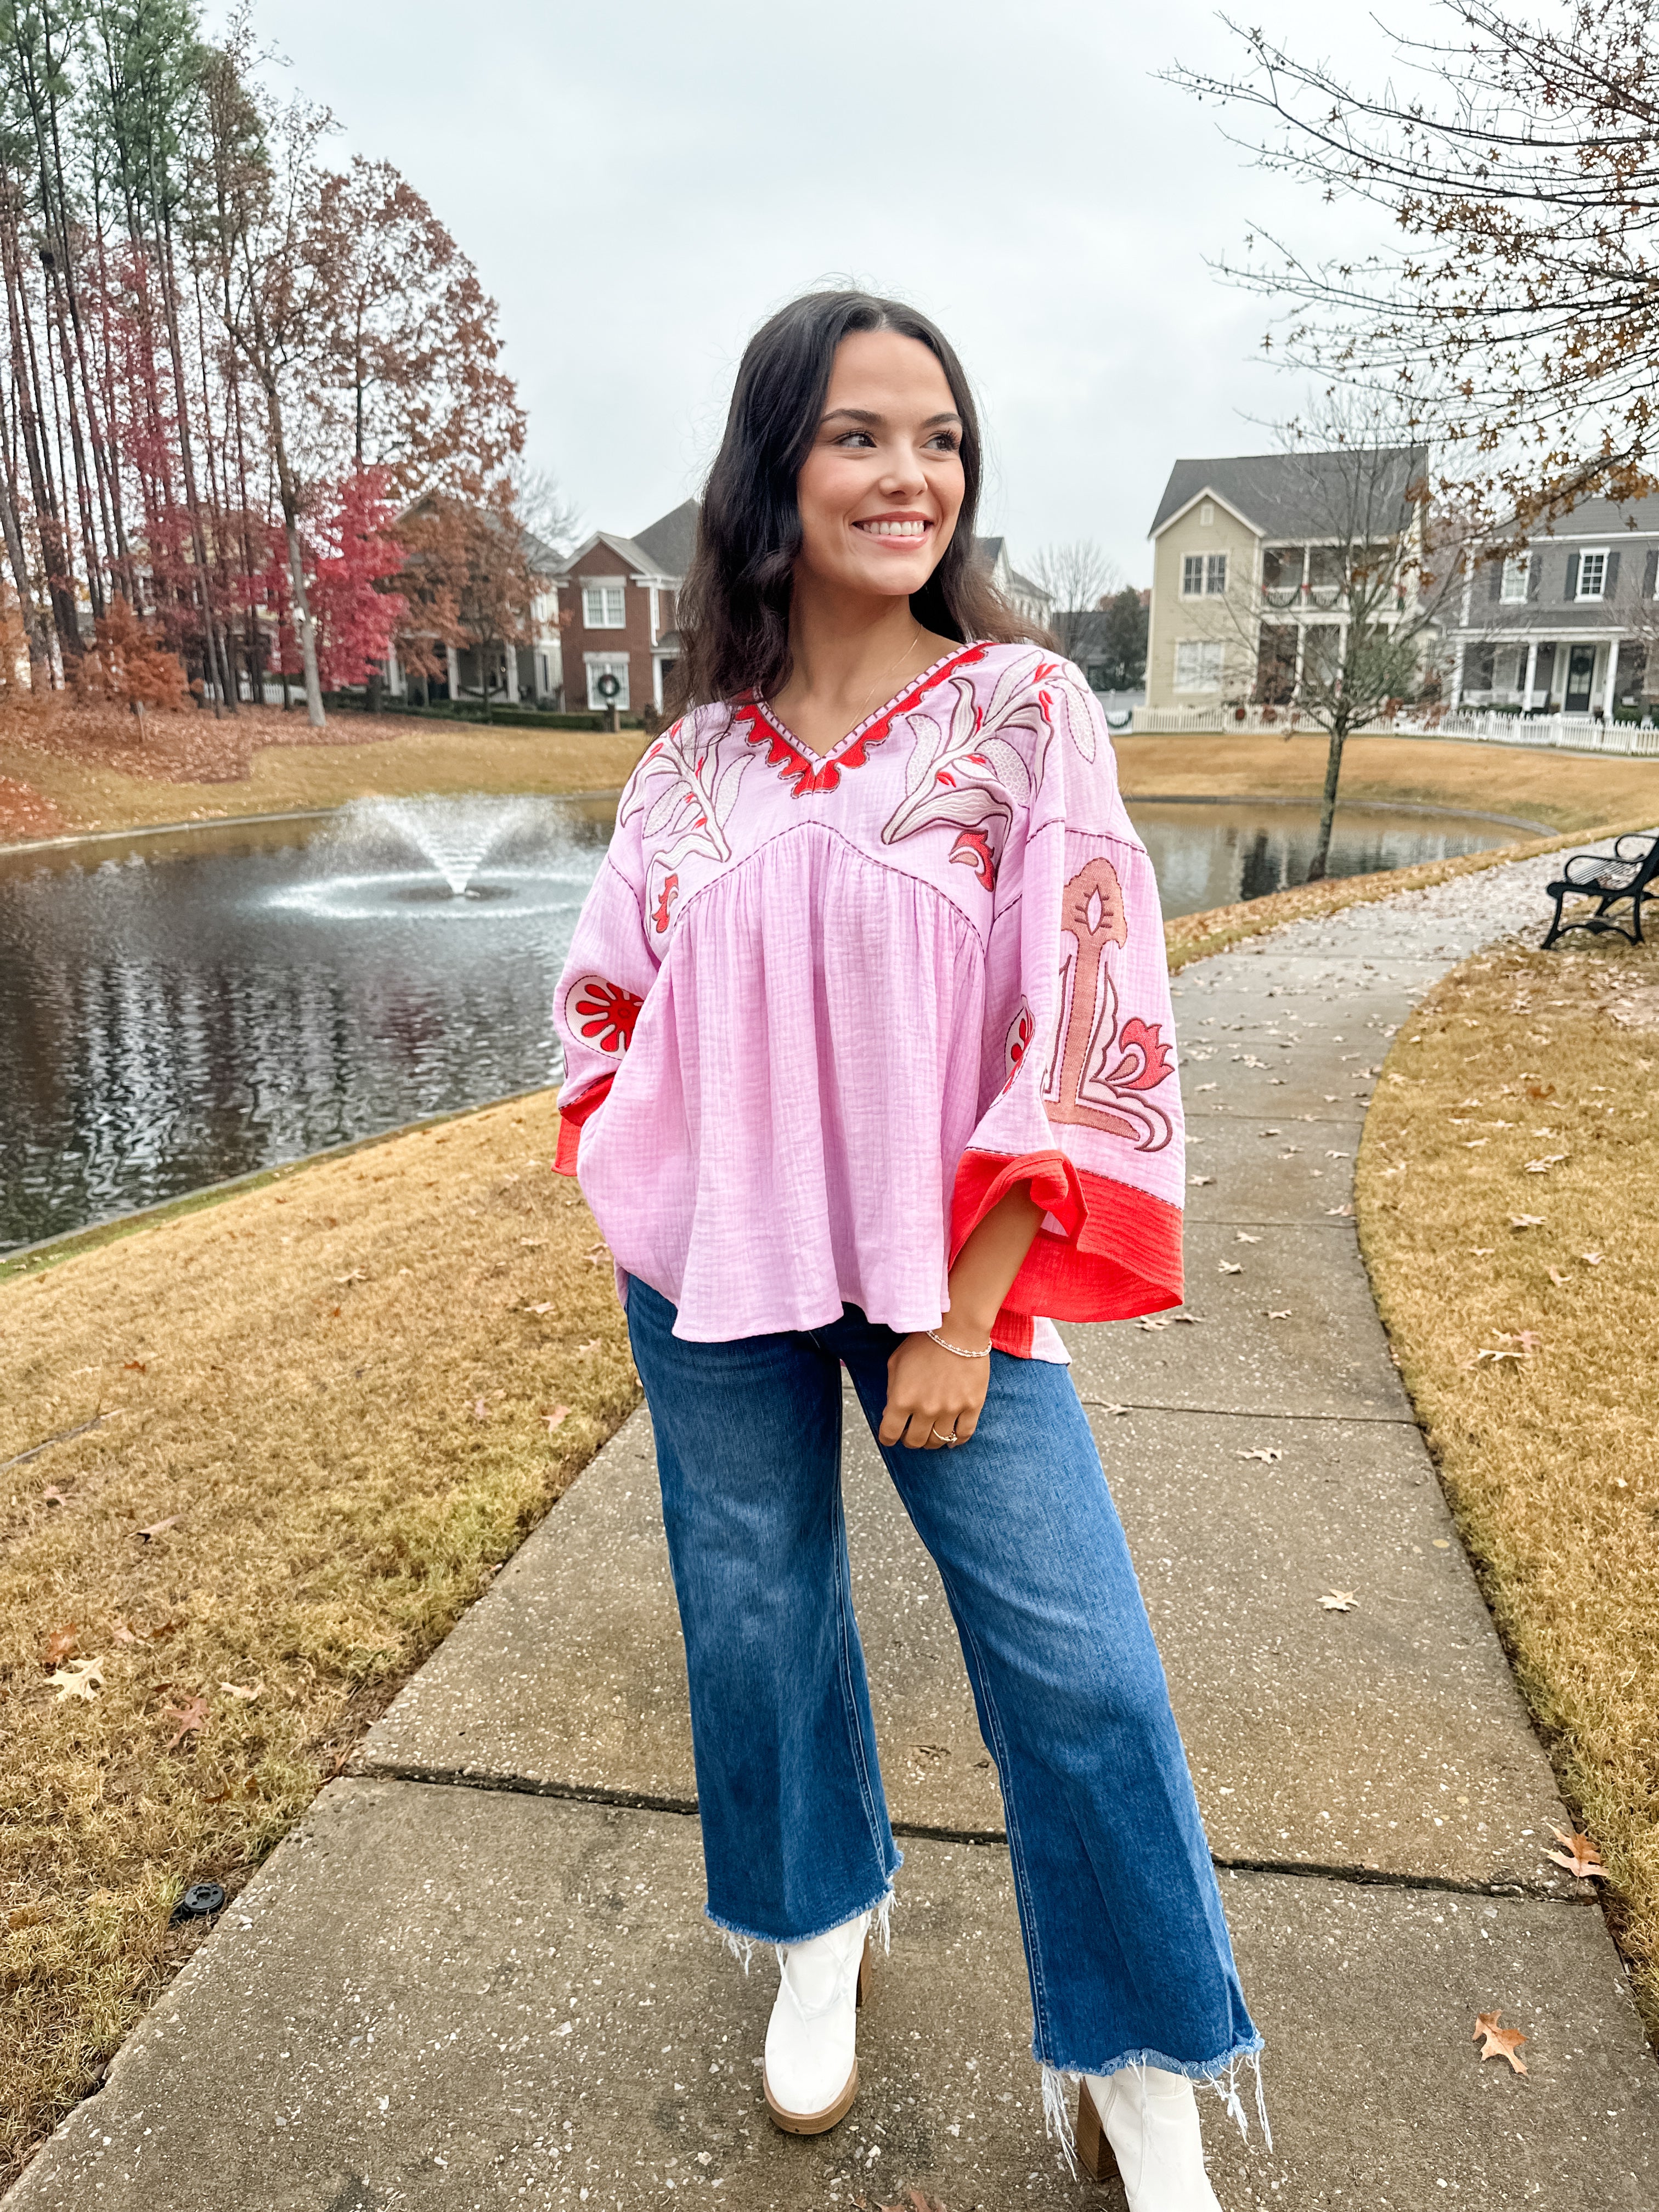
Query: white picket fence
[{"x": 1578, "y": 733}]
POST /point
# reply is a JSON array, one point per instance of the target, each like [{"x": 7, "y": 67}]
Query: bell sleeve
[
  {"x": 606, "y": 978},
  {"x": 1079, "y": 1093}
]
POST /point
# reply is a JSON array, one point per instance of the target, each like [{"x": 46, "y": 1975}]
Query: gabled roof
[
  {"x": 671, "y": 540},
  {"x": 1601, "y": 518},
  {"x": 631, "y": 555},
  {"x": 1299, "y": 494}
]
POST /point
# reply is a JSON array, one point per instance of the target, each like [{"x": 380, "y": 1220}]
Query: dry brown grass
[
  {"x": 1564, "y": 791},
  {"x": 103, "y": 779},
  {"x": 1549, "y": 1457},
  {"x": 334, "y": 1392}
]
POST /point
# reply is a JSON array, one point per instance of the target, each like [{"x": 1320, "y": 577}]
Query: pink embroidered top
[{"x": 820, "y": 1013}]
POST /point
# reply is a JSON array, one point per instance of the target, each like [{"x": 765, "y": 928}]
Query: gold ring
[{"x": 952, "y": 1439}]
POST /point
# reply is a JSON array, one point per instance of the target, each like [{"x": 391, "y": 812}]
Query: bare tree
[
  {"x": 1518, "y": 317},
  {"x": 543, "y": 508},
  {"x": 1348, "y": 625},
  {"x": 1077, "y": 576}
]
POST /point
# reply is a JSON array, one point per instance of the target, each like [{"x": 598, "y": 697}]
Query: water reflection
[
  {"x": 196, "y": 1006},
  {"x": 173, "y": 1018}
]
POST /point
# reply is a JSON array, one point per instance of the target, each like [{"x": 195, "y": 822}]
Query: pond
[{"x": 181, "y": 1008}]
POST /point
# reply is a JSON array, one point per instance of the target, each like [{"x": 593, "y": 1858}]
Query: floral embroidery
[
  {"x": 1094, "y": 1065},
  {"x": 814, "y": 775},
  {"x": 1018, "y": 1042},
  {"x": 969, "y": 777},
  {"x": 667, "y": 891},
  {"x": 601, "y": 1013}
]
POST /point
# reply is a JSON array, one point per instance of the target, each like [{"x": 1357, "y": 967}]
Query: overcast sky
[{"x": 641, "y": 181}]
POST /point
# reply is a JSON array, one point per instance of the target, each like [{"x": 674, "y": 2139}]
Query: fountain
[{"x": 479, "y": 851}]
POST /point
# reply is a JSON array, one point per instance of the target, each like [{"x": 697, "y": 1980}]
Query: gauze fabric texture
[{"x": 820, "y": 1013}]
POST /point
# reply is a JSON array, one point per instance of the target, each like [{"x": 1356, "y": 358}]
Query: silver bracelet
[{"x": 933, "y": 1337}]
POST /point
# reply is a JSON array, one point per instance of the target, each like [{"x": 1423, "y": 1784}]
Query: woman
[{"x": 867, "y": 1034}]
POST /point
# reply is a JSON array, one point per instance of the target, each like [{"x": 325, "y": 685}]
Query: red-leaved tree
[{"x": 348, "y": 554}]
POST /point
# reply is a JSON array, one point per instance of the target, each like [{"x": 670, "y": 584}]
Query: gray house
[{"x": 1567, "y": 624}]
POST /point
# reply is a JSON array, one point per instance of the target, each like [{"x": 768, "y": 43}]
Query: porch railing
[{"x": 1580, "y": 733}]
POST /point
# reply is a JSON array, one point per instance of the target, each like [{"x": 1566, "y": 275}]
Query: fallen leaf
[
  {"x": 1190, "y": 1321},
  {"x": 1111, "y": 1409},
  {"x": 1580, "y": 1856},
  {"x": 134, "y": 1367},
  {"x": 1230, "y": 1267},
  {"x": 1472, "y": 1143},
  {"x": 480, "y": 1409},
  {"x": 533, "y": 1244},
  {"x": 355, "y": 1276},
  {"x": 191, "y": 1717},
  {"x": 1541, "y": 1091},
  {"x": 1339, "y": 1156},
  {"x": 553, "y": 1416},
  {"x": 155, "y": 1527},
  {"x": 1543, "y": 1166},
  {"x": 1197, "y": 1182},
  {"x": 545, "y": 1306},
  {"x": 1526, "y": 1221},
  {"x": 597, "y": 1252},
  {"x": 1243, "y": 1236},
  {"x": 1558, "y": 1277},
  {"x": 593, "y": 1344},
  {"x": 60, "y": 1645},
  {"x": 1591, "y": 1259},
  {"x": 1521, "y": 1345},
  {"x": 1345, "y": 1212},
  {"x": 1339, "y": 1602},
  {"x": 1266, "y": 1453},
  {"x": 83, "y": 1679},
  {"x": 1278, "y": 1313},
  {"x": 1498, "y": 2042},
  {"x": 1156, "y": 1321},
  {"x": 236, "y": 1690},
  {"x": 52, "y": 1495}
]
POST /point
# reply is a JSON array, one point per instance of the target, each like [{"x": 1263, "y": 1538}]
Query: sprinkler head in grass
[{"x": 200, "y": 1899}]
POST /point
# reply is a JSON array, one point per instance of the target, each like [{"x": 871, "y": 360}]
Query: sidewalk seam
[{"x": 629, "y": 1800}]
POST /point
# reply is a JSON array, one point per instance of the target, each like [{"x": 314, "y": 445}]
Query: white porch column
[
  {"x": 454, "y": 672},
  {"x": 1610, "y": 695},
  {"x": 1532, "y": 671},
  {"x": 1457, "y": 675},
  {"x": 512, "y": 675}
]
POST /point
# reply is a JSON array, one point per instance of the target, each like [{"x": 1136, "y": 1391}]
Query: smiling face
[{"x": 881, "y": 489}]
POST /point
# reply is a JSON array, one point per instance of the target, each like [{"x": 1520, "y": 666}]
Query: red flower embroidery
[
  {"x": 1142, "y": 1042},
  {"x": 1018, "y": 1042},
  {"x": 811, "y": 776},
  {"x": 973, "y": 849},
  {"x": 602, "y": 1013},
  {"x": 671, "y": 891}
]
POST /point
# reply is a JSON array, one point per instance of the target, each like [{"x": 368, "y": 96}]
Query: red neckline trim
[{"x": 821, "y": 772}]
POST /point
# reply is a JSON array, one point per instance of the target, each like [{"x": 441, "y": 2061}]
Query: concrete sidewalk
[{"x": 478, "y": 1976}]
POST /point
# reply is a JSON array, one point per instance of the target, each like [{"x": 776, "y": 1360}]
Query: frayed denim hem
[
  {"x": 1222, "y": 2075},
  {"x": 741, "y": 1941}
]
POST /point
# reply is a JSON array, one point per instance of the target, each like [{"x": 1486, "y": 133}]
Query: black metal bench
[{"x": 1630, "y": 871}]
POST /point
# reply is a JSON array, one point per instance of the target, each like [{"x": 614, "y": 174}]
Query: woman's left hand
[{"x": 933, "y": 1397}]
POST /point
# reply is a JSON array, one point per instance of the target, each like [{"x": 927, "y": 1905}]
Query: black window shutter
[
  {"x": 1610, "y": 582},
  {"x": 1650, "y": 572},
  {"x": 1571, "y": 592},
  {"x": 1534, "y": 572},
  {"x": 1495, "y": 581}
]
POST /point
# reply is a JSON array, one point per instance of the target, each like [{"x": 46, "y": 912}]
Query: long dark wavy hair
[{"x": 734, "y": 606}]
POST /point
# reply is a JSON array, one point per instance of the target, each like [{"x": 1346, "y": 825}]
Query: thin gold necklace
[{"x": 869, "y": 698}]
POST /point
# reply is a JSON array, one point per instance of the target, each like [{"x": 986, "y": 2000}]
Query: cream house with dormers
[{"x": 1247, "y": 566}]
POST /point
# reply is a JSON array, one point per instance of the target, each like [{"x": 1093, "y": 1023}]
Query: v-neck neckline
[{"x": 900, "y": 699}]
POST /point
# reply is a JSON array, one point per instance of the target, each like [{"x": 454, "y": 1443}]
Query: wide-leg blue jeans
[{"x": 1125, "y": 1940}]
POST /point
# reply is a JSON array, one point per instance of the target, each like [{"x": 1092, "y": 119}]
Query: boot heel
[
  {"x": 1094, "y": 2154},
  {"x": 866, "y": 1991}
]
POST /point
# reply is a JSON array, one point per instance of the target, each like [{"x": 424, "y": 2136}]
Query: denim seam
[
  {"x": 849, "y": 1702},
  {"x": 1015, "y": 1846}
]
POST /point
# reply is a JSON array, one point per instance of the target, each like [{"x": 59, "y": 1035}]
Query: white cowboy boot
[
  {"x": 1147, "y": 2119},
  {"x": 811, "y": 2063}
]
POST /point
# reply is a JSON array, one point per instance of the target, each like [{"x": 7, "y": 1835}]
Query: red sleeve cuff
[
  {"x": 1118, "y": 1254},
  {"x": 571, "y": 1118}
]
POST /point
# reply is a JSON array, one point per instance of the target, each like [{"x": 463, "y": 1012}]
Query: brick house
[{"x": 617, "y": 606}]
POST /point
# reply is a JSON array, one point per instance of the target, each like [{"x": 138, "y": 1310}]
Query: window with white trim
[
  {"x": 604, "y": 606},
  {"x": 1198, "y": 663},
  {"x": 1517, "y": 569},
  {"x": 1593, "y": 574},
  {"x": 606, "y": 664},
  {"x": 1203, "y": 576}
]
